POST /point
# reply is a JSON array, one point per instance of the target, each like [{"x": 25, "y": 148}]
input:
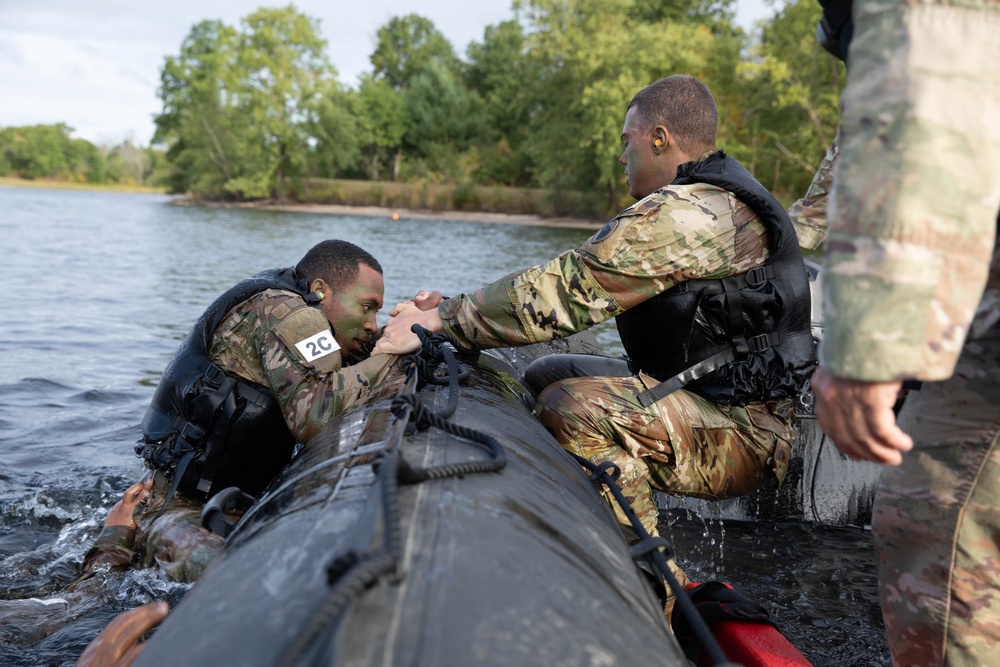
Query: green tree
[
  {"x": 406, "y": 46},
  {"x": 48, "y": 151},
  {"x": 280, "y": 74},
  {"x": 333, "y": 133},
  {"x": 593, "y": 55},
  {"x": 248, "y": 113},
  {"x": 195, "y": 125},
  {"x": 382, "y": 123},
  {"x": 445, "y": 118},
  {"x": 498, "y": 70},
  {"x": 791, "y": 103},
  {"x": 409, "y": 50}
]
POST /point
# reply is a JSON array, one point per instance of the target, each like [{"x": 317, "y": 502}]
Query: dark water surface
[{"x": 99, "y": 290}]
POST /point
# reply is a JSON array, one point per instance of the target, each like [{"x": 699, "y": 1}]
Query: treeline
[
  {"x": 50, "y": 152},
  {"x": 256, "y": 111}
]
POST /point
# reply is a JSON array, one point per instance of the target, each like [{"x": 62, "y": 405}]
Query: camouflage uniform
[
  {"x": 808, "y": 215},
  {"x": 174, "y": 540},
  {"x": 684, "y": 443},
  {"x": 910, "y": 250},
  {"x": 255, "y": 341}
]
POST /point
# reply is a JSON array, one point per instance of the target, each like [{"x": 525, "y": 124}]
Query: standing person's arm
[{"x": 913, "y": 222}]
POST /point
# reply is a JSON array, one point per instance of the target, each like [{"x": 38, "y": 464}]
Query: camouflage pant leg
[
  {"x": 174, "y": 540},
  {"x": 683, "y": 444},
  {"x": 936, "y": 521}
]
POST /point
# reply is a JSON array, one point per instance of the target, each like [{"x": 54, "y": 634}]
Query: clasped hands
[{"x": 422, "y": 309}]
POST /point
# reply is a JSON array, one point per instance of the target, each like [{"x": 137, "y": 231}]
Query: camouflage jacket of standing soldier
[
  {"x": 911, "y": 239},
  {"x": 255, "y": 342},
  {"x": 678, "y": 233},
  {"x": 809, "y": 214}
]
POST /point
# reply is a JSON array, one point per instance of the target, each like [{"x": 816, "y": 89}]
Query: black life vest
[
  {"x": 734, "y": 340},
  {"x": 206, "y": 430}
]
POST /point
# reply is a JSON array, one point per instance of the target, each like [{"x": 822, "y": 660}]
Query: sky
[{"x": 95, "y": 64}]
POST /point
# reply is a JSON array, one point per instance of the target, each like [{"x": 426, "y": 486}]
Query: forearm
[
  {"x": 310, "y": 402},
  {"x": 552, "y": 300},
  {"x": 114, "y": 546}
]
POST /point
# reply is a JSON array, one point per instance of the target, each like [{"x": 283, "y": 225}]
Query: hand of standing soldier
[
  {"x": 423, "y": 300},
  {"x": 397, "y": 337},
  {"x": 118, "y": 644},
  {"x": 858, "y": 417}
]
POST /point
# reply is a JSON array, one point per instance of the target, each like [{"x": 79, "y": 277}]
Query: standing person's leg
[
  {"x": 916, "y": 199},
  {"x": 936, "y": 522}
]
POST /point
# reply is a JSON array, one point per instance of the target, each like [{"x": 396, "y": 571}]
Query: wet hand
[
  {"x": 423, "y": 300},
  {"x": 397, "y": 337},
  {"x": 858, "y": 417},
  {"x": 118, "y": 644},
  {"x": 122, "y": 514}
]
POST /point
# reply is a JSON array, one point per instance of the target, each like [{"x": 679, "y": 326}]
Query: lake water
[{"x": 101, "y": 287}]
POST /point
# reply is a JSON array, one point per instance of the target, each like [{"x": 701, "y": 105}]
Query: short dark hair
[
  {"x": 685, "y": 106},
  {"x": 336, "y": 262}
]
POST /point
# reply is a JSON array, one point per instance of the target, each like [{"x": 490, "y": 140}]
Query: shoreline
[
  {"x": 46, "y": 184},
  {"x": 319, "y": 209},
  {"x": 403, "y": 213}
]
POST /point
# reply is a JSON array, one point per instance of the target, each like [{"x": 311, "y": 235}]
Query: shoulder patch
[
  {"x": 308, "y": 337},
  {"x": 604, "y": 232},
  {"x": 605, "y": 244}
]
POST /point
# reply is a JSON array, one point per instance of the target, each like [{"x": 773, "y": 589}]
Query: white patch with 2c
[{"x": 318, "y": 345}]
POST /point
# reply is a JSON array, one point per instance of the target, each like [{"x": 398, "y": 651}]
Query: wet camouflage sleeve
[
  {"x": 114, "y": 546},
  {"x": 173, "y": 539},
  {"x": 248, "y": 343},
  {"x": 918, "y": 187},
  {"x": 809, "y": 214},
  {"x": 677, "y": 233}
]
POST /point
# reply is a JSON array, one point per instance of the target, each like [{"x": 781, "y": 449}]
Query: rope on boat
[
  {"x": 351, "y": 574},
  {"x": 656, "y": 550}
]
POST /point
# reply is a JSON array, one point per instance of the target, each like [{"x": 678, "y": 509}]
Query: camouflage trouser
[
  {"x": 936, "y": 521},
  {"x": 175, "y": 539},
  {"x": 683, "y": 444}
]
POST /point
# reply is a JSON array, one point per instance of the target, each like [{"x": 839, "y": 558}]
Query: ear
[
  {"x": 661, "y": 139},
  {"x": 319, "y": 285}
]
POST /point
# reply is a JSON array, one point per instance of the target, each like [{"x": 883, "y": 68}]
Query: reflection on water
[
  {"x": 816, "y": 582},
  {"x": 100, "y": 288}
]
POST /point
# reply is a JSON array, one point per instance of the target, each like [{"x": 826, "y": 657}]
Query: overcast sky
[{"x": 95, "y": 64}]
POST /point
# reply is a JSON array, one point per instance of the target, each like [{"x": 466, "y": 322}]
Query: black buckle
[
  {"x": 757, "y": 276},
  {"x": 762, "y": 342},
  {"x": 214, "y": 376}
]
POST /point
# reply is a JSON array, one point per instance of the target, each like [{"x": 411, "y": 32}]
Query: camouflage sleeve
[
  {"x": 674, "y": 235},
  {"x": 173, "y": 538},
  {"x": 311, "y": 391},
  {"x": 114, "y": 546},
  {"x": 914, "y": 212},
  {"x": 809, "y": 214},
  {"x": 279, "y": 341}
]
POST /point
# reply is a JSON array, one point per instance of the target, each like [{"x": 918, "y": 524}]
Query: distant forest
[{"x": 255, "y": 111}]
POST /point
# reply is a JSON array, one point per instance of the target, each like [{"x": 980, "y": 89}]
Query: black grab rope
[
  {"x": 656, "y": 550},
  {"x": 425, "y": 364},
  {"x": 350, "y": 574}
]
